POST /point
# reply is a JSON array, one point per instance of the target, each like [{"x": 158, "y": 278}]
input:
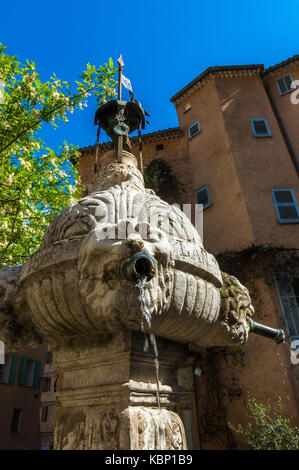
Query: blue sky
[{"x": 165, "y": 44}]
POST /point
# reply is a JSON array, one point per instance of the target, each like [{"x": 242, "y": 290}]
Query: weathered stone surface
[
  {"x": 152, "y": 429},
  {"x": 103, "y": 393},
  {"x": 74, "y": 283},
  {"x": 87, "y": 431},
  {"x": 16, "y": 327},
  {"x": 72, "y": 294}
]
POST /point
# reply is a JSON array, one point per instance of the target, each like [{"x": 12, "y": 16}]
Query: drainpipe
[{"x": 282, "y": 128}]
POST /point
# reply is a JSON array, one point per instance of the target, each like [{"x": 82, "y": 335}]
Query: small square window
[
  {"x": 194, "y": 129},
  {"x": 46, "y": 384},
  {"x": 285, "y": 205},
  {"x": 202, "y": 196},
  {"x": 288, "y": 290},
  {"x": 260, "y": 128},
  {"x": 285, "y": 84},
  {"x": 16, "y": 420},
  {"x": 159, "y": 147},
  {"x": 44, "y": 415}
]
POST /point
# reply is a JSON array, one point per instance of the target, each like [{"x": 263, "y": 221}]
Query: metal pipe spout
[
  {"x": 277, "y": 335},
  {"x": 139, "y": 266}
]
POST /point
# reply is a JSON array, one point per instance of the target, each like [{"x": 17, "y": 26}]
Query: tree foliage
[
  {"x": 268, "y": 430},
  {"x": 35, "y": 181}
]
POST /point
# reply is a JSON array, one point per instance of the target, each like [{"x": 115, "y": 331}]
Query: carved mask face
[{"x": 103, "y": 287}]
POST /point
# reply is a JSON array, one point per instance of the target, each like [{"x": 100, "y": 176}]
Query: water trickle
[
  {"x": 154, "y": 344},
  {"x": 145, "y": 345},
  {"x": 148, "y": 318},
  {"x": 144, "y": 307}
]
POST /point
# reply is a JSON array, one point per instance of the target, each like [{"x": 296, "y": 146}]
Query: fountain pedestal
[{"x": 107, "y": 396}]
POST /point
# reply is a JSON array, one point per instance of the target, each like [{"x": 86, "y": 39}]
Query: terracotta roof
[
  {"x": 281, "y": 64},
  {"x": 170, "y": 133},
  {"x": 216, "y": 69}
]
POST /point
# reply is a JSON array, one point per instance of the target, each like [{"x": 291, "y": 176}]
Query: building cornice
[
  {"x": 286, "y": 65},
  {"x": 229, "y": 71},
  {"x": 164, "y": 134}
]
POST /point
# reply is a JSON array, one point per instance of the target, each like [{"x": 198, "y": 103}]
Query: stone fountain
[{"x": 117, "y": 267}]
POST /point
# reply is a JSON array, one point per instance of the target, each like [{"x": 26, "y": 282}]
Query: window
[
  {"x": 187, "y": 107},
  {"x": 44, "y": 416},
  {"x": 16, "y": 420},
  {"x": 47, "y": 384},
  {"x": 30, "y": 370},
  {"x": 285, "y": 84},
  {"x": 202, "y": 196},
  {"x": 260, "y": 128},
  {"x": 194, "y": 129},
  {"x": 288, "y": 291},
  {"x": 2, "y": 353},
  {"x": 8, "y": 369},
  {"x": 159, "y": 147},
  {"x": 49, "y": 359},
  {"x": 285, "y": 205}
]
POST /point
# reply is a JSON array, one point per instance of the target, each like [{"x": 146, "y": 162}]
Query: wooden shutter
[
  {"x": 281, "y": 86},
  {"x": 13, "y": 369},
  {"x": 37, "y": 371},
  {"x": 23, "y": 370},
  {"x": 285, "y": 84},
  {"x": 286, "y": 287},
  {"x": 260, "y": 127},
  {"x": 194, "y": 129},
  {"x": 285, "y": 205},
  {"x": 288, "y": 82},
  {"x": 203, "y": 196}
]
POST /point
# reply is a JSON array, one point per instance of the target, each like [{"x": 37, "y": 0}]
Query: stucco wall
[
  {"x": 16, "y": 396},
  {"x": 213, "y": 164},
  {"x": 288, "y": 111},
  {"x": 262, "y": 163}
]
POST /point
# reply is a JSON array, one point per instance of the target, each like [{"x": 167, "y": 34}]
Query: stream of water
[{"x": 147, "y": 317}]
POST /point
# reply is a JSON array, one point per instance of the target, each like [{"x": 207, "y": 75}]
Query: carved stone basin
[{"x": 74, "y": 285}]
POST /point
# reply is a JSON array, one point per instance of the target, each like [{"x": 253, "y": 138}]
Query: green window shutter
[
  {"x": 23, "y": 370},
  {"x": 37, "y": 371},
  {"x": 13, "y": 369}
]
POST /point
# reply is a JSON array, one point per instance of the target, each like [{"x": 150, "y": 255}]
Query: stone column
[{"x": 107, "y": 396}]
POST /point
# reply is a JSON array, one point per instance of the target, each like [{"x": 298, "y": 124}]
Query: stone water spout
[{"x": 79, "y": 293}]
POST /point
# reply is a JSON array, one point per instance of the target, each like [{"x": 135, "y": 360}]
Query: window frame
[
  {"x": 47, "y": 383},
  {"x": 278, "y": 204},
  {"x": 196, "y": 122},
  {"x": 9, "y": 369},
  {"x": 254, "y": 131},
  {"x": 283, "y": 77},
  {"x": 19, "y": 421},
  {"x": 44, "y": 414},
  {"x": 281, "y": 301},
  {"x": 206, "y": 187}
]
